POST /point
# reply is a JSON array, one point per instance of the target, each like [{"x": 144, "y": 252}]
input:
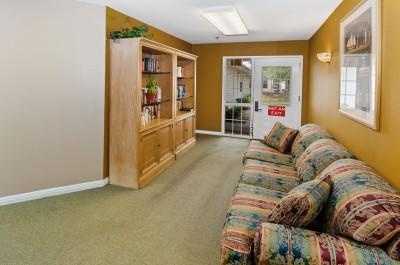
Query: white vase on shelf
[{"x": 159, "y": 93}]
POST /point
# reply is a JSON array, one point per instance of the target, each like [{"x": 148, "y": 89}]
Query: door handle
[{"x": 256, "y": 106}]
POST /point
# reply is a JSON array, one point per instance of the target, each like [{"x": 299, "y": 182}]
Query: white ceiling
[{"x": 267, "y": 20}]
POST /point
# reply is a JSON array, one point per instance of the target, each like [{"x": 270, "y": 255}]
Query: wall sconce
[{"x": 325, "y": 57}]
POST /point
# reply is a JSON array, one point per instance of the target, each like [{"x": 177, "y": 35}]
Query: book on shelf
[
  {"x": 180, "y": 71},
  {"x": 150, "y": 65},
  {"x": 180, "y": 90}
]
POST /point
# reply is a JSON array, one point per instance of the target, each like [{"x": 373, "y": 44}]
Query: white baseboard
[
  {"x": 208, "y": 132},
  {"x": 52, "y": 192}
]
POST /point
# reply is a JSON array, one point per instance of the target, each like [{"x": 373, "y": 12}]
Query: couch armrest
[{"x": 282, "y": 244}]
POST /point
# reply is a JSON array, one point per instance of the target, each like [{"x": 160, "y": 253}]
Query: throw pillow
[
  {"x": 302, "y": 204},
  {"x": 280, "y": 137}
]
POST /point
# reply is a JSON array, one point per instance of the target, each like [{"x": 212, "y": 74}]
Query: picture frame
[{"x": 360, "y": 66}]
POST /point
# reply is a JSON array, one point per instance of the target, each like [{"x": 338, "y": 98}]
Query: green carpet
[{"x": 175, "y": 219}]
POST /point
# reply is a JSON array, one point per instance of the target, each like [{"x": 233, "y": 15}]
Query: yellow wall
[
  {"x": 209, "y": 74},
  {"x": 115, "y": 21},
  {"x": 380, "y": 149}
]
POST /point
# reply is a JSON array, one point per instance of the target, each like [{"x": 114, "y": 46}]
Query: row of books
[{"x": 150, "y": 65}]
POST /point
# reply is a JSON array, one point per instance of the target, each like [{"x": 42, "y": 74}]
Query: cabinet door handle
[{"x": 159, "y": 145}]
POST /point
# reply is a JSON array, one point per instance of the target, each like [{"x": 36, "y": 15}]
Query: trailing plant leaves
[{"x": 135, "y": 32}]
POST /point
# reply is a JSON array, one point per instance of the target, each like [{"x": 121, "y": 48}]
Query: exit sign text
[{"x": 277, "y": 111}]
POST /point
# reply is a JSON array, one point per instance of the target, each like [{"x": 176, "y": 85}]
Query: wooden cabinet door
[
  {"x": 180, "y": 134},
  {"x": 165, "y": 143},
  {"x": 190, "y": 128},
  {"x": 149, "y": 151}
]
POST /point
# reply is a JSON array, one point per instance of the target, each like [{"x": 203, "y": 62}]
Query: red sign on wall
[{"x": 277, "y": 111}]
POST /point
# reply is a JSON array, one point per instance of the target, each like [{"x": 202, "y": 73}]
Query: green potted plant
[
  {"x": 151, "y": 89},
  {"x": 134, "y": 32}
]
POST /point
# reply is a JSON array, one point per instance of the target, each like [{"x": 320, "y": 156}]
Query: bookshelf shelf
[
  {"x": 182, "y": 98},
  {"x": 154, "y": 123},
  {"x": 155, "y": 73},
  {"x": 155, "y": 103}
]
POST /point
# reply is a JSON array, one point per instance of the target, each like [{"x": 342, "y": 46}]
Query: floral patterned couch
[{"x": 317, "y": 204}]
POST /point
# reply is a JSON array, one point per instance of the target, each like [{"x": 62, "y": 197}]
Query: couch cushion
[
  {"x": 280, "y": 137},
  {"x": 282, "y": 244},
  {"x": 260, "y": 151},
  {"x": 302, "y": 204},
  {"x": 269, "y": 175},
  {"x": 362, "y": 205},
  {"x": 249, "y": 207},
  {"x": 308, "y": 134},
  {"x": 393, "y": 248},
  {"x": 318, "y": 156}
]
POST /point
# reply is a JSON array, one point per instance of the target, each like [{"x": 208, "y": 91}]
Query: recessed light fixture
[{"x": 226, "y": 19}]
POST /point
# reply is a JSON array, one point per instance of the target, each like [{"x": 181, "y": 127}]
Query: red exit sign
[{"x": 277, "y": 111}]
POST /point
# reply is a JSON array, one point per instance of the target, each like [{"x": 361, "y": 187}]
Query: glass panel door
[{"x": 237, "y": 83}]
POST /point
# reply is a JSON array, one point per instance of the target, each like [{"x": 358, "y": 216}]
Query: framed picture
[{"x": 360, "y": 63}]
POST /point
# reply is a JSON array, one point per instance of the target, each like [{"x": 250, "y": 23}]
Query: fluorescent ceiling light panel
[{"x": 226, "y": 19}]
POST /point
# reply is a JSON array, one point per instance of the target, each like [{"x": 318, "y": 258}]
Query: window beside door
[{"x": 237, "y": 96}]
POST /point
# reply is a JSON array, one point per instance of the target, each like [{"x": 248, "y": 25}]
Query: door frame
[{"x": 301, "y": 57}]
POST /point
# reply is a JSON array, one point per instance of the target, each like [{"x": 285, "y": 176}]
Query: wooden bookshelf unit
[{"x": 146, "y": 137}]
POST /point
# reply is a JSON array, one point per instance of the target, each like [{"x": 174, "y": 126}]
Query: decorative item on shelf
[
  {"x": 144, "y": 96},
  {"x": 180, "y": 89},
  {"x": 142, "y": 119},
  {"x": 324, "y": 57},
  {"x": 178, "y": 105},
  {"x": 151, "y": 89},
  {"x": 135, "y": 32},
  {"x": 159, "y": 93},
  {"x": 149, "y": 113},
  {"x": 187, "y": 109},
  {"x": 180, "y": 71}
]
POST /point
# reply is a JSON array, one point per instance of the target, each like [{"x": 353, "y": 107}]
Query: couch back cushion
[
  {"x": 308, "y": 134},
  {"x": 318, "y": 156},
  {"x": 362, "y": 205}
]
